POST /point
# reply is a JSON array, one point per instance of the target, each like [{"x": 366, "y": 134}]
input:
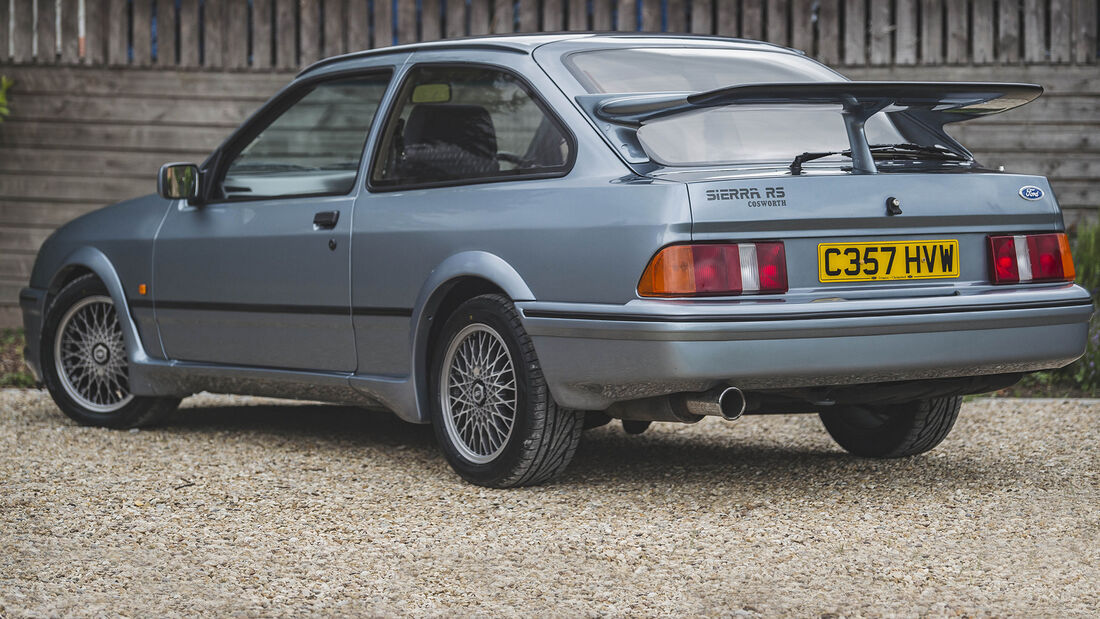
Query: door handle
[{"x": 326, "y": 220}]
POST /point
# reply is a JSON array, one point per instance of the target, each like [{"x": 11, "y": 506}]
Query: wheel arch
[
  {"x": 90, "y": 260},
  {"x": 461, "y": 277}
]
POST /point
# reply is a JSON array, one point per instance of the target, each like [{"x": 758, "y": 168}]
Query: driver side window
[
  {"x": 313, "y": 147},
  {"x": 467, "y": 123}
]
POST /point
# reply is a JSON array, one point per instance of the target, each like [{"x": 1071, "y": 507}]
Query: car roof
[{"x": 527, "y": 43}]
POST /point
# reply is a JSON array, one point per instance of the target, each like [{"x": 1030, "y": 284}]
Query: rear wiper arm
[
  {"x": 796, "y": 165},
  {"x": 904, "y": 148}
]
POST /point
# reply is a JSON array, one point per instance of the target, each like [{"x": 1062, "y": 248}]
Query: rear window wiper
[{"x": 915, "y": 151}]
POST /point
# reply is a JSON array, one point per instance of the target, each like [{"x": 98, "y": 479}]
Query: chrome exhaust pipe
[
  {"x": 732, "y": 403},
  {"x": 728, "y": 403}
]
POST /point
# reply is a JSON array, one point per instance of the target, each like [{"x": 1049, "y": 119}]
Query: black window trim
[
  {"x": 217, "y": 164},
  {"x": 536, "y": 96}
]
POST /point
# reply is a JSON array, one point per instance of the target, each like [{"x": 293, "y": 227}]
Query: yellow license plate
[{"x": 891, "y": 260}]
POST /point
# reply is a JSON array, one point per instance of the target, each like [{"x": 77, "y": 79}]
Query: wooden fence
[
  {"x": 106, "y": 91},
  {"x": 265, "y": 34}
]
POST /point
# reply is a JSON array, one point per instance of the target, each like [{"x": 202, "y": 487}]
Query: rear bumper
[
  {"x": 32, "y": 302},
  {"x": 595, "y": 355}
]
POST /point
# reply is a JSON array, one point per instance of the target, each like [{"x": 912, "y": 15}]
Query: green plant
[
  {"x": 5, "y": 84},
  {"x": 1084, "y": 374},
  {"x": 13, "y": 373}
]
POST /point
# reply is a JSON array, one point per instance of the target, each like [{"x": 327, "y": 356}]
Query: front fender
[{"x": 97, "y": 262}]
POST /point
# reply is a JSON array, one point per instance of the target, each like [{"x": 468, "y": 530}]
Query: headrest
[{"x": 467, "y": 126}]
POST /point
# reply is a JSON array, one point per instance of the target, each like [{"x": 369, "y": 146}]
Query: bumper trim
[{"x": 824, "y": 315}]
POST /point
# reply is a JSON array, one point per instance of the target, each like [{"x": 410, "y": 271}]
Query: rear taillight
[
  {"x": 716, "y": 269},
  {"x": 1030, "y": 258}
]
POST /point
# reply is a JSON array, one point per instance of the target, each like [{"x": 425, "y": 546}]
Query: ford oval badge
[{"x": 1031, "y": 192}]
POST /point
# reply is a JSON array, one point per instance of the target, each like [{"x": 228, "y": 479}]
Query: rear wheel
[
  {"x": 494, "y": 417},
  {"x": 892, "y": 430},
  {"x": 84, "y": 361}
]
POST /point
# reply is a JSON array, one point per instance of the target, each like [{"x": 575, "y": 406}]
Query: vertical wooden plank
[
  {"x": 166, "y": 33},
  {"x": 333, "y": 29},
  {"x": 214, "y": 29},
  {"x": 626, "y": 18},
  {"x": 46, "y": 50},
  {"x": 855, "y": 33},
  {"x": 431, "y": 20},
  {"x": 958, "y": 29},
  {"x": 5, "y": 17},
  {"x": 406, "y": 21},
  {"x": 118, "y": 33},
  {"x": 189, "y": 33},
  {"x": 382, "y": 23},
  {"x": 142, "y": 34},
  {"x": 455, "y": 18},
  {"x": 981, "y": 31},
  {"x": 778, "y": 21},
  {"x": 262, "y": 34},
  {"x": 503, "y": 16},
  {"x": 752, "y": 19},
  {"x": 651, "y": 15},
  {"x": 1035, "y": 42},
  {"x": 727, "y": 16},
  {"x": 1084, "y": 35},
  {"x": 1061, "y": 43},
  {"x": 95, "y": 34},
  {"x": 553, "y": 15},
  {"x": 881, "y": 33},
  {"x": 577, "y": 15},
  {"x": 236, "y": 35},
  {"x": 828, "y": 31},
  {"x": 802, "y": 25},
  {"x": 905, "y": 32},
  {"x": 676, "y": 16},
  {"x": 528, "y": 15},
  {"x": 22, "y": 40},
  {"x": 309, "y": 32},
  {"x": 702, "y": 17},
  {"x": 286, "y": 45},
  {"x": 601, "y": 15},
  {"x": 931, "y": 31},
  {"x": 479, "y": 17},
  {"x": 1008, "y": 38},
  {"x": 358, "y": 25}
]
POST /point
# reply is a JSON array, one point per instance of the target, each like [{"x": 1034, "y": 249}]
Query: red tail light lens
[
  {"x": 1005, "y": 269},
  {"x": 716, "y": 269},
  {"x": 1030, "y": 258}
]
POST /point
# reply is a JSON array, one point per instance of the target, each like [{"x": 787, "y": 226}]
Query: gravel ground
[{"x": 259, "y": 507}]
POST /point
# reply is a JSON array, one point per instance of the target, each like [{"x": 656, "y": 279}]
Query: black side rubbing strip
[{"x": 263, "y": 308}]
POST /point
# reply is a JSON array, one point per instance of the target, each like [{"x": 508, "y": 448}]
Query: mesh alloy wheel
[
  {"x": 90, "y": 356},
  {"x": 479, "y": 394}
]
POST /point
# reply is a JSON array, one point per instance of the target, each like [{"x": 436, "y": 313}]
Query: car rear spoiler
[{"x": 934, "y": 103}]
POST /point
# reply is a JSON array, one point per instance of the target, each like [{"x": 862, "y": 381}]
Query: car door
[{"x": 259, "y": 275}]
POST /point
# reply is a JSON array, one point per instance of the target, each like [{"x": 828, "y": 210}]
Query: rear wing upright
[{"x": 933, "y": 103}]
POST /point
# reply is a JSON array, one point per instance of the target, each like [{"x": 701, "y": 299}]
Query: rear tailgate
[{"x": 847, "y": 210}]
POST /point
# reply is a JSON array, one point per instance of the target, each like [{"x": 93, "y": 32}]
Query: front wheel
[
  {"x": 493, "y": 415},
  {"x": 84, "y": 362},
  {"x": 892, "y": 430}
]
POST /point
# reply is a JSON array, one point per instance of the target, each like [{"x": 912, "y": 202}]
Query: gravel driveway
[{"x": 263, "y": 507}]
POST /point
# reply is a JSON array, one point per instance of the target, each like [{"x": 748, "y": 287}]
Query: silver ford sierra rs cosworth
[{"x": 516, "y": 238}]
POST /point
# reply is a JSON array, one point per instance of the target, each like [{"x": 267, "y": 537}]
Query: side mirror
[{"x": 178, "y": 181}]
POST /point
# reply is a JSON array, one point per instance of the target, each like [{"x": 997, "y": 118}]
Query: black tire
[
  {"x": 542, "y": 437},
  {"x": 892, "y": 430},
  {"x": 138, "y": 411}
]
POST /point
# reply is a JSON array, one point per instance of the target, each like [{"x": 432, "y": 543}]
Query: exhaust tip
[{"x": 731, "y": 403}]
